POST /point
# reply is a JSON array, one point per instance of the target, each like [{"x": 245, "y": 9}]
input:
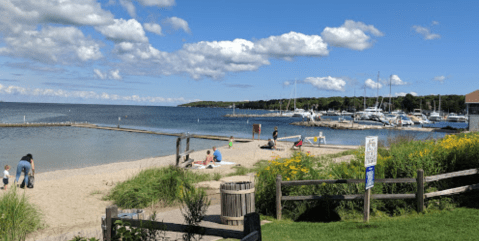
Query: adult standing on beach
[
  {"x": 275, "y": 135},
  {"x": 217, "y": 155},
  {"x": 25, "y": 164}
]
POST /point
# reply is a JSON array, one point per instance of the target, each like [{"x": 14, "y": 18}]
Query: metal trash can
[{"x": 237, "y": 200}]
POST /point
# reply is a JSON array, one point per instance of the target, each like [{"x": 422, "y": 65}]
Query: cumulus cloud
[
  {"x": 373, "y": 85},
  {"x": 52, "y": 45},
  {"x": 286, "y": 83},
  {"x": 440, "y": 78},
  {"x": 395, "y": 80},
  {"x": 292, "y": 44},
  {"x": 326, "y": 83},
  {"x": 153, "y": 27},
  {"x": 425, "y": 32},
  {"x": 17, "y": 90},
  {"x": 177, "y": 23},
  {"x": 159, "y": 3},
  {"x": 113, "y": 74},
  {"x": 124, "y": 31},
  {"x": 404, "y": 93},
  {"x": 130, "y": 8},
  {"x": 351, "y": 35}
]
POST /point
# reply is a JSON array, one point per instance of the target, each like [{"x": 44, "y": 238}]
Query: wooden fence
[
  {"x": 251, "y": 229},
  {"x": 419, "y": 195}
]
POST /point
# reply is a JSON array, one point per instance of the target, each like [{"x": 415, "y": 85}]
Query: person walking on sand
[
  {"x": 230, "y": 144},
  {"x": 275, "y": 135},
  {"x": 217, "y": 155},
  {"x": 25, "y": 164},
  {"x": 6, "y": 175}
]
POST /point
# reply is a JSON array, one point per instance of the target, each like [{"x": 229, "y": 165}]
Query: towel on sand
[{"x": 217, "y": 164}]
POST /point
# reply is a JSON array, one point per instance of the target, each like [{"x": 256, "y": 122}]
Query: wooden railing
[
  {"x": 251, "y": 229},
  {"x": 419, "y": 195}
]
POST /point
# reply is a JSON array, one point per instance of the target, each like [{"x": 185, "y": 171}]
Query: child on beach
[
  {"x": 6, "y": 175},
  {"x": 230, "y": 145},
  {"x": 208, "y": 159}
]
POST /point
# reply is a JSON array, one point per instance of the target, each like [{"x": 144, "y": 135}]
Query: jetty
[
  {"x": 348, "y": 125},
  {"x": 93, "y": 126},
  {"x": 254, "y": 115}
]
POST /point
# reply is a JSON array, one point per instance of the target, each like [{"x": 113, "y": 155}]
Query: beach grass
[
  {"x": 18, "y": 217},
  {"x": 154, "y": 185}
]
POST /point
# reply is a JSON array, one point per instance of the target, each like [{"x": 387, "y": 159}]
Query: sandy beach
[{"x": 71, "y": 200}]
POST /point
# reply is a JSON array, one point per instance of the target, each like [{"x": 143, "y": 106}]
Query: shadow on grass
[{"x": 322, "y": 212}]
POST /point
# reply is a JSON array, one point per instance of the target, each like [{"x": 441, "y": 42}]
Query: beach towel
[{"x": 218, "y": 164}]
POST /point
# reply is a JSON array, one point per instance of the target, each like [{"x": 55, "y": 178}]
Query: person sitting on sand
[
  {"x": 217, "y": 155},
  {"x": 270, "y": 145},
  {"x": 208, "y": 159}
]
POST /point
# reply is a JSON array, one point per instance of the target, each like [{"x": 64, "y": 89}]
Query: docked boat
[
  {"x": 332, "y": 112},
  {"x": 405, "y": 120},
  {"x": 452, "y": 117},
  {"x": 434, "y": 116}
]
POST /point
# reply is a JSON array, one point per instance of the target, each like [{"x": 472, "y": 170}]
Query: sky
[{"x": 171, "y": 52}]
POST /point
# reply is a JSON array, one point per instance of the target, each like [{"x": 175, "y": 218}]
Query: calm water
[{"x": 68, "y": 147}]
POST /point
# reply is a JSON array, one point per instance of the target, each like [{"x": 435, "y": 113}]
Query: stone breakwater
[
  {"x": 254, "y": 115},
  {"x": 354, "y": 126}
]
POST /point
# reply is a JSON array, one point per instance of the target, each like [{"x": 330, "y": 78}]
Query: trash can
[{"x": 237, "y": 200}]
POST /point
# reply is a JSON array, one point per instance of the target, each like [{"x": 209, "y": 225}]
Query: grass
[
  {"x": 154, "y": 185},
  {"x": 457, "y": 224},
  {"x": 17, "y": 216}
]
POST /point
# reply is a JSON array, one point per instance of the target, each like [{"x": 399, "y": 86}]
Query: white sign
[{"x": 371, "y": 152}]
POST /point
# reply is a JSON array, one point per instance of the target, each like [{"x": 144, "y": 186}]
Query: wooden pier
[{"x": 93, "y": 126}]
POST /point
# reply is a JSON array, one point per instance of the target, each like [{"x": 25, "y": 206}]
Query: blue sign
[{"x": 369, "y": 177}]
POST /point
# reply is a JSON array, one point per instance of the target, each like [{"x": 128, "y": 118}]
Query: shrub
[
  {"x": 17, "y": 216},
  {"x": 154, "y": 185}
]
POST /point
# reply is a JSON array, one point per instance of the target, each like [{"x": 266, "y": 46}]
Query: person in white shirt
[{"x": 6, "y": 175}]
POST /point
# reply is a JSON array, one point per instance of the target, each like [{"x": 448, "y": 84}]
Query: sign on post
[
  {"x": 369, "y": 177},
  {"x": 257, "y": 129},
  {"x": 371, "y": 152}
]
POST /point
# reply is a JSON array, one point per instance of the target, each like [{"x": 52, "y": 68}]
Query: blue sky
[{"x": 167, "y": 52}]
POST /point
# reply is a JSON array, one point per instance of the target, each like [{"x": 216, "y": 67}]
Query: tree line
[{"x": 449, "y": 103}]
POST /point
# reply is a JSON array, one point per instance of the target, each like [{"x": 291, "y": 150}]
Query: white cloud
[
  {"x": 130, "y": 8},
  {"x": 404, "y": 93},
  {"x": 68, "y": 12},
  {"x": 440, "y": 78},
  {"x": 373, "y": 85},
  {"x": 124, "y": 31},
  {"x": 17, "y": 90},
  {"x": 52, "y": 45},
  {"x": 153, "y": 27},
  {"x": 351, "y": 35},
  {"x": 113, "y": 74},
  {"x": 326, "y": 83},
  {"x": 425, "y": 32},
  {"x": 292, "y": 44},
  {"x": 177, "y": 23},
  {"x": 159, "y": 3},
  {"x": 435, "y": 22},
  {"x": 286, "y": 83},
  {"x": 395, "y": 80}
]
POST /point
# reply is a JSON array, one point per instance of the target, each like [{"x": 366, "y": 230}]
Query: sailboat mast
[
  {"x": 364, "y": 96},
  {"x": 294, "y": 95},
  {"x": 390, "y": 93},
  {"x": 377, "y": 92}
]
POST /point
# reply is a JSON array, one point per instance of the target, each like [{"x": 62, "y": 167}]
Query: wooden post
[
  {"x": 111, "y": 211},
  {"x": 178, "y": 151},
  {"x": 252, "y": 223},
  {"x": 420, "y": 191},
  {"x": 187, "y": 147},
  {"x": 367, "y": 204},
  {"x": 278, "y": 197}
]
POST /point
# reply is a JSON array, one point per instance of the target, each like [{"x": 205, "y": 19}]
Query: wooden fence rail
[
  {"x": 251, "y": 230},
  {"x": 419, "y": 195}
]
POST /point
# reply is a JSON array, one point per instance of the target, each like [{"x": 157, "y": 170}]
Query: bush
[
  {"x": 154, "y": 185},
  {"x": 401, "y": 160},
  {"x": 17, "y": 216}
]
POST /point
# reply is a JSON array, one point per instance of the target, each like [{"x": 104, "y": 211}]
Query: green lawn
[{"x": 458, "y": 224}]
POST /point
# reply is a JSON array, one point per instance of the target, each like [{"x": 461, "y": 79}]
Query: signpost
[
  {"x": 257, "y": 129},
  {"x": 370, "y": 160}
]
